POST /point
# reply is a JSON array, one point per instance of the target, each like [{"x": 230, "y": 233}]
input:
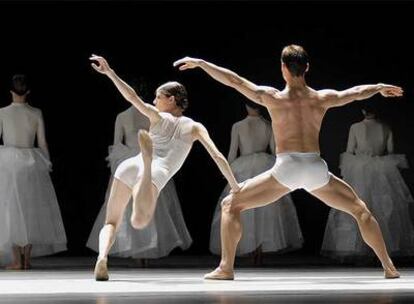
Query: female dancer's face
[{"x": 164, "y": 103}]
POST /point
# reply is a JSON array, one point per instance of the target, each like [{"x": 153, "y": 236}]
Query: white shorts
[
  {"x": 131, "y": 169},
  {"x": 296, "y": 170}
]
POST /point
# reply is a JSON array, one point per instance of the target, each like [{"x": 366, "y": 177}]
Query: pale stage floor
[{"x": 313, "y": 284}]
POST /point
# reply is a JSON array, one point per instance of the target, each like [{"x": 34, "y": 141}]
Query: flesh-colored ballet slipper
[
  {"x": 219, "y": 274},
  {"x": 101, "y": 270},
  {"x": 391, "y": 274}
]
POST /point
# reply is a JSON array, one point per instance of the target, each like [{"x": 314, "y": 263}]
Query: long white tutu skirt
[
  {"x": 166, "y": 231},
  {"x": 378, "y": 182},
  {"x": 29, "y": 211},
  {"x": 274, "y": 227}
]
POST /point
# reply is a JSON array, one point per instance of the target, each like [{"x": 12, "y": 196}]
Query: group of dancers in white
[{"x": 141, "y": 216}]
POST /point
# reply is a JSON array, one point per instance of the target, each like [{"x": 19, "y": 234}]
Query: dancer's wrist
[
  {"x": 380, "y": 86},
  {"x": 201, "y": 63},
  {"x": 110, "y": 73}
]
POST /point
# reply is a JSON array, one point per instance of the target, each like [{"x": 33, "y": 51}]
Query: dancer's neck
[
  {"x": 17, "y": 99},
  {"x": 296, "y": 83}
]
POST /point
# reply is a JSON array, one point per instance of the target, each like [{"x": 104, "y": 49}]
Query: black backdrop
[{"x": 349, "y": 43}]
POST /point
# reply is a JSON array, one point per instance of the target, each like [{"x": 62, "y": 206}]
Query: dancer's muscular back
[
  {"x": 297, "y": 115},
  {"x": 298, "y": 110}
]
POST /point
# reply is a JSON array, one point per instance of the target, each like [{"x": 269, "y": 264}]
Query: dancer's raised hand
[{"x": 100, "y": 64}]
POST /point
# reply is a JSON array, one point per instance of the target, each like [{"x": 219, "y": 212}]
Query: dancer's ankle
[
  {"x": 225, "y": 267},
  {"x": 102, "y": 258},
  {"x": 389, "y": 266}
]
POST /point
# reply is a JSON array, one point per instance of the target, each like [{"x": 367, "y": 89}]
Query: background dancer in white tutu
[
  {"x": 370, "y": 166},
  {"x": 163, "y": 151},
  {"x": 167, "y": 230},
  {"x": 297, "y": 114},
  {"x": 270, "y": 228},
  {"x": 30, "y": 219}
]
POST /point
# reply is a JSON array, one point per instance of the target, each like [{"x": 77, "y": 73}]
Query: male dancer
[{"x": 297, "y": 113}]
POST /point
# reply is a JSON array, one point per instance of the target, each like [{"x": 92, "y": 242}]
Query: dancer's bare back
[
  {"x": 297, "y": 111},
  {"x": 296, "y": 117}
]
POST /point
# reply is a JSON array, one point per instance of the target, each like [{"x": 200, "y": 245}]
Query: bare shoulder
[
  {"x": 326, "y": 93},
  {"x": 326, "y": 97},
  {"x": 270, "y": 91},
  {"x": 269, "y": 94}
]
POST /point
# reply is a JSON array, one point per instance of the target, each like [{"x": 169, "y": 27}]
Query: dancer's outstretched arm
[
  {"x": 332, "y": 98},
  {"x": 127, "y": 92},
  {"x": 229, "y": 78},
  {"x": 200, "y": 133}
]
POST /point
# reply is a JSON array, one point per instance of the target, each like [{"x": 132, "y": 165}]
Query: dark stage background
[{"x": 349, "y": 44}]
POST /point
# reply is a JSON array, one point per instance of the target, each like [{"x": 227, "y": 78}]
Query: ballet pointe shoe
[
  {"x": 101, "y": 270},
  {"x": 219, "y": 274}
]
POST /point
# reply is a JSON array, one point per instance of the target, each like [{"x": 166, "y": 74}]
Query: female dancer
[{"x": 163, "y": 151}]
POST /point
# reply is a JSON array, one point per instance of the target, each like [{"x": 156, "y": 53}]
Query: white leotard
[{"x": 172, "y": 141}]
